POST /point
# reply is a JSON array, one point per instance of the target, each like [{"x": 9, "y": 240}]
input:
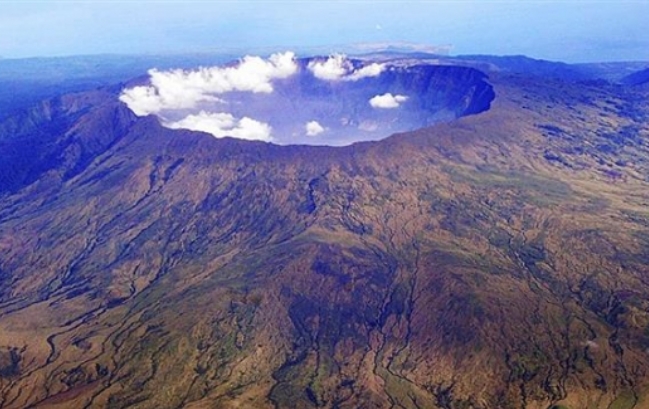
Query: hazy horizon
[{"x": 568, "y": 30}]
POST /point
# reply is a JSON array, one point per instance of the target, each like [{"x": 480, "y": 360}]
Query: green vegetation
[
  {"x": 527, "y": 187},
  {"x": 626, "y": 400}
]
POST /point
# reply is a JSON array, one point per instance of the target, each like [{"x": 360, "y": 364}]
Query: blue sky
[{"x": 567, "y": 30}]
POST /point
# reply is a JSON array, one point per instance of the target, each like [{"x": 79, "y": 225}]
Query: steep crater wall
[{"x": 430, "y": 94}]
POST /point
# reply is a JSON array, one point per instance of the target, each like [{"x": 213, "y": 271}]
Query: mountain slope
[
  {"x": 495, "y": 261},
  {"x": 637, "y": 78}
]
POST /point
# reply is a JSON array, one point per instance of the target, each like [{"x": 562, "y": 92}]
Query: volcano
[{"x": 495, "y": 259}]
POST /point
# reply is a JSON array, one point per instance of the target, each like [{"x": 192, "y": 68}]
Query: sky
[{"x": 563, "y": 30}]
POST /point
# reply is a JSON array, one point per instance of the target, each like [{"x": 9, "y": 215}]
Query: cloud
[
  {"x": 372, "y": 70},
  {"x": 333, "y": 68},
  {"x": 388, "y": 100},
  {"x": 224, "y": 124},
  {"x": 337, "y": 67},
  {"x": 180, "y": 89},
  {"x": 368, "y": 126},
  {"x": 313, "y": 128}
]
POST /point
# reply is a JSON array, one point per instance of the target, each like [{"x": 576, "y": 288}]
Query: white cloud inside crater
[
  {"x": 387, "y": 101},
  {"x": 333, "y": 68},
  {"x": 200, "y": 97},
  {"x": 338, "y": 68},
  {"x": 223, "y": 124},
  {"x": 313, "y": 128},
  {"x": 181, "y": 89}
]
